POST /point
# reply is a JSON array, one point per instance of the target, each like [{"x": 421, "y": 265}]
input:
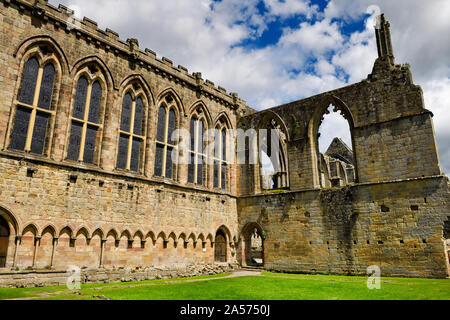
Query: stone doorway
[
  {"x": 4, "y": 240},
  {"x": 220, "y": 247},
  {"x": 253, "y": 237}
]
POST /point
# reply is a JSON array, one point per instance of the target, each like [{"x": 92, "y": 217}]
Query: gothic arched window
[
  {"x": 220, "y": 157},
  {"x": 132, "y": 133},
  {"x": 197, "y": 155},
  {"x": 165, "y": 165},
  {"x": 85, "y": 121},
  {"x": 34, "y": 107}
]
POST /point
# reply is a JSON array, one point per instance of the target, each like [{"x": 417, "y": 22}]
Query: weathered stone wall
[
  {"x": 397, "y": 226},
  {"x": 65, "y": 213},
  {"x": 27, "y": 279},
  {"x": 141, "y": 222}
]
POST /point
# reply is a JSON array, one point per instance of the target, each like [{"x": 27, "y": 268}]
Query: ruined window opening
[
  {"x": 165, "y": 166},
  {"x": 197, "y": 155},
  {"x": 85, "y": 132},
  {"x": 30, "y": 130},
  {"x": 335, "y": 158},
  {"x": 131, "y": 133},
  {"x": 272, "y": 157}
]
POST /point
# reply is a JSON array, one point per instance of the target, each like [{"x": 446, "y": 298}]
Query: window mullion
[
  {"x": 166, "y": 132},
  {"x": 196, "y": 129},
  {"x": 220, "y": 160},
  {"x": 85, "y": 122},
  {"x": 130, "y": 141},
  {"x": 33, "y": 112}
]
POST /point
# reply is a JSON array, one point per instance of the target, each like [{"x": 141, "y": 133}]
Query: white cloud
[
  {"x": 290, "y": 7},
  {"x": 317, "y": 38},
  {"x": 437, "y": 96}
]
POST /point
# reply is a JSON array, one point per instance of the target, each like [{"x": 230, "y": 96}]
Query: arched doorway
[
  {"x": 253, "y": 239},
  {"x": 4, "y": 240},
  {"x": 220, "y": 247}
]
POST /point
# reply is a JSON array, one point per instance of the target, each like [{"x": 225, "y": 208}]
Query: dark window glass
[
  {"x": 199, "y": 170},
  {"x": 161, "y": 124},
  {"x": 123, "y": 152},
  {"x": 224, "y": 145},
  {"x": 217, "y": 143},
  {"x": 171, "y": 126},
  {"x": 126, "y": 113},
  {"x": 20, "y": 129},
  {"x": 28, "y": 85},
  {"x": 224, "y": 175},
  {"x": 94, "y": 106},
  {"x": 200, "y": 137},
  {"x": 139, "y": 117},
  {"x": 80, "y": 98},
  {"x": 191, "y": 168},
  {"x": 75, "y": 141},
  {"x": 159, "y": 160},
  {"x": 89, "y": 147},
  {"x": 169, "y": 163},
  {"x": 135, "y": 154},
  {"x": 192, "y": 132},
  {"x": 39, "y": 133},
  {"x": 45, "y": 95},
  {"x": 216, "y": 174}
]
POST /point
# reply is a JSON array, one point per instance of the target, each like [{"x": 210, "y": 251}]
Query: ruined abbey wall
[
  {"x": 397, "y": 226},
  {"x": 95, "y": 216},
  {"x": 392, "y": 217},
  {"x": 65, "y": 213}
]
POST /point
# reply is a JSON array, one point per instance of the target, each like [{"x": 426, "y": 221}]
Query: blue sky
[{"x": 276, "y": 51}]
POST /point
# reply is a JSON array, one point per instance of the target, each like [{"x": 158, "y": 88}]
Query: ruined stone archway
[
  {"x": 4, "y": 241},
  {"x": 253, "y": 241}
]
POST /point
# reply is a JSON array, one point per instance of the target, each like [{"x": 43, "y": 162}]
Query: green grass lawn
[{"x": 269, "y": 286}]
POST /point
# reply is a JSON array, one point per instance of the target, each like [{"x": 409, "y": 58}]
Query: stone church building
[{"x": 88, "y": 176}]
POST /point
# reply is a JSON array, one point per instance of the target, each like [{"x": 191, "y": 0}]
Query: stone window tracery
[
  {"x": 132, "y": 132},
  {"x": 197, "y": 155},
  {"x": 86, "y": 127},
  {"x": 220, "y": 171},
  {"x": 34, "y": 109},
  {"x": 165, "y": 165}
]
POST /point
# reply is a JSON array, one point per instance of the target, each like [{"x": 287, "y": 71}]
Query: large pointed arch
[
  {"x": 200, "y": 105},
  {"x": 313, "y": 130},
  {"x": 224, "y": 118},
  {"x": 10, "y": 217},
  {"x": 179, "y": 103},
  {"x": 138, "y": 78},
  {"x": 279, "y": 178},
  {"x": 99, "y": 62},
  {"x": 43, "y": 40}
]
